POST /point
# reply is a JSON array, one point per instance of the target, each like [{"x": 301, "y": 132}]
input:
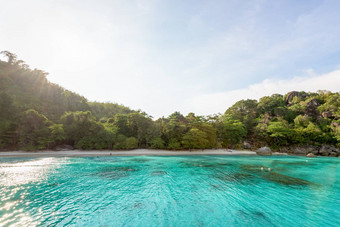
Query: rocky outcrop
[
  {"x": 303, "y": 150},
  {"x": 63, "y": 147},
  {"x": 312, "y": 108},
  {"x": 327, "y": 150},
  {"x": 290, "y": 96},
  {"x": 308, "y": 150},
  {"x": 264, "y": 151}
]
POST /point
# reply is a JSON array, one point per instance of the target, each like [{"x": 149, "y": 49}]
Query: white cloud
[{"x": 219, "y": 102}]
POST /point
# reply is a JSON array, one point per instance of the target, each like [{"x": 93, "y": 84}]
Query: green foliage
[
  {"x": 157, "y": 143},
  {"x": 34, "y": 131},
  {"x": 302, "y": 121},
  {"x": 332, "y": 104},
  {"x": 245, "y": 111},
  {"x": 131, "y": 143},
  {"x": 174, "y": 144},
  {"x": 279, "y": 132},
  {"x": 195, "y": 139},
  {"x": 268, "y": 104},
  {"x": 37, "y": 114},
  {"x": 234, "y": 131}
]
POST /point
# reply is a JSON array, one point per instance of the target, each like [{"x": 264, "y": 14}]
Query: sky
[{"x": 162, "y": 56}]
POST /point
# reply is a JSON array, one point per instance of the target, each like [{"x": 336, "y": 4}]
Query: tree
[
  {"x": 157, "y": 143},
  {"x": 34, "y": 131},
  {"x": 279, "y": 132},
  {"x": 245, "y": 111},
  {"x": 195, "y": 138},
  {"x": 234, "y": 131},
  {"x": 268, "y": 104}
]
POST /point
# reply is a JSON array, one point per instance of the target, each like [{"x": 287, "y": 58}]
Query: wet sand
[{"x": 136, "y": 152}]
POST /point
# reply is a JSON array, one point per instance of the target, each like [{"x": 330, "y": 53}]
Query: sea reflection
[
  {"x": 15, "y": 181},
  {"x": 15, "y": 174}
]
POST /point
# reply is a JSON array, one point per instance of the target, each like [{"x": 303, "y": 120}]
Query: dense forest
[{"x": 37, "y": 114}]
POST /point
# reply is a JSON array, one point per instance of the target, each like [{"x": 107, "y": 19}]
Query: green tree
[
  {"x": 157, "y": 143},
  {"x": 34, "y": 131},
  {"x": 234, "y": 131},
  {"x": 279, "y": 132},
  {"x": 195, "y": 138}
]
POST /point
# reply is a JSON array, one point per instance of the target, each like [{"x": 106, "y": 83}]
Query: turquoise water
[{"x": 170, "y": 191}]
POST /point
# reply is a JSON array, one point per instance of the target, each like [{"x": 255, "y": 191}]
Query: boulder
[
  {"x": 312, "y": 108},
  {"x": 303, "y": 150},
  {"x": 290, "y": 96},
  {"x": 327, "y": 114},
  {"x": 328, "y": 150},
  {"x": 63, "y": 147},
  {"x": 265, "y": 151},
  {"x": 311, "y": 155},
  {"x": 335, "y": 124},
  {"x": 246, "y": 145}
]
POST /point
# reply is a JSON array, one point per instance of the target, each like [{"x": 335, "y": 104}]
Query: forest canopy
[{"x": 37, "y": 114}]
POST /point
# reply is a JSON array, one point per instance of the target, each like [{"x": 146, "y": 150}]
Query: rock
[
  {"x": 63, "y": 147},
  {"x": 264, "y": 151},
  {"x": 246, "y": 145},
  {"x": 290, "y": 96},
  {"x": 327, "y": 114},
  {"x": 303, "y": 150},
  {"x": 335, "y": 124},
  {"x": 328, "y": 150},
  {"x": 312, "y": 108},
  {"x": 311, "y": 155}
]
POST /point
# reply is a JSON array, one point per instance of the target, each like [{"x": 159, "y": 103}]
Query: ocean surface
[{"x": 170, "y": 191}]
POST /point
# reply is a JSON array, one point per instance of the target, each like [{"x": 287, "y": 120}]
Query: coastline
[{"x": 136, "y": 152}]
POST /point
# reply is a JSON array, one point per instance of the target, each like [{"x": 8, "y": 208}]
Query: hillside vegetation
[{"x": 37, "y": 114}]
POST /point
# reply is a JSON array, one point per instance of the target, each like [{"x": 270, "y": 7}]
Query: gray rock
[
  {"x": 328, "y": 150},
  {"x": 264, "y": 151},
  {"x": 63, "y": 147},
  {"x": 312, "y": 108},
  {"x": 290, "y": 96},
  {"x": 303, "y": 150}
]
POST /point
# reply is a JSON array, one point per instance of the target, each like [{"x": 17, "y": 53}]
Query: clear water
[{"x": 170, "y": 191}]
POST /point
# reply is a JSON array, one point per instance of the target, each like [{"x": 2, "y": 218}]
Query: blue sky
[{"x": 188, "y": 56}]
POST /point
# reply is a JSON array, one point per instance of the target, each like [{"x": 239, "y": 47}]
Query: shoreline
[{"x": 136, "y": 152}]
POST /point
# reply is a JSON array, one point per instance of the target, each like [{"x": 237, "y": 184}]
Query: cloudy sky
[{"x": 162, "y": 56}]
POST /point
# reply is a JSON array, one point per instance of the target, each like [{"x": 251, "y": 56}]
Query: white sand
[{"x": 137, "y": 152}]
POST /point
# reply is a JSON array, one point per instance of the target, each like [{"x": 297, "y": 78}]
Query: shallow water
[{"x": 170, "y": 191}]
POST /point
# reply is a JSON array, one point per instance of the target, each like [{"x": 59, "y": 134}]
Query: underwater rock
[
  {"x": 285, "y": 180},
  {"x": 158, "y": 173},
  {"x": 115, "y": 172}
]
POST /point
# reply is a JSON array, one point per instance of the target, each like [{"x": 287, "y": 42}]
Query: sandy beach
[{"x": 137, "y": 152}]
